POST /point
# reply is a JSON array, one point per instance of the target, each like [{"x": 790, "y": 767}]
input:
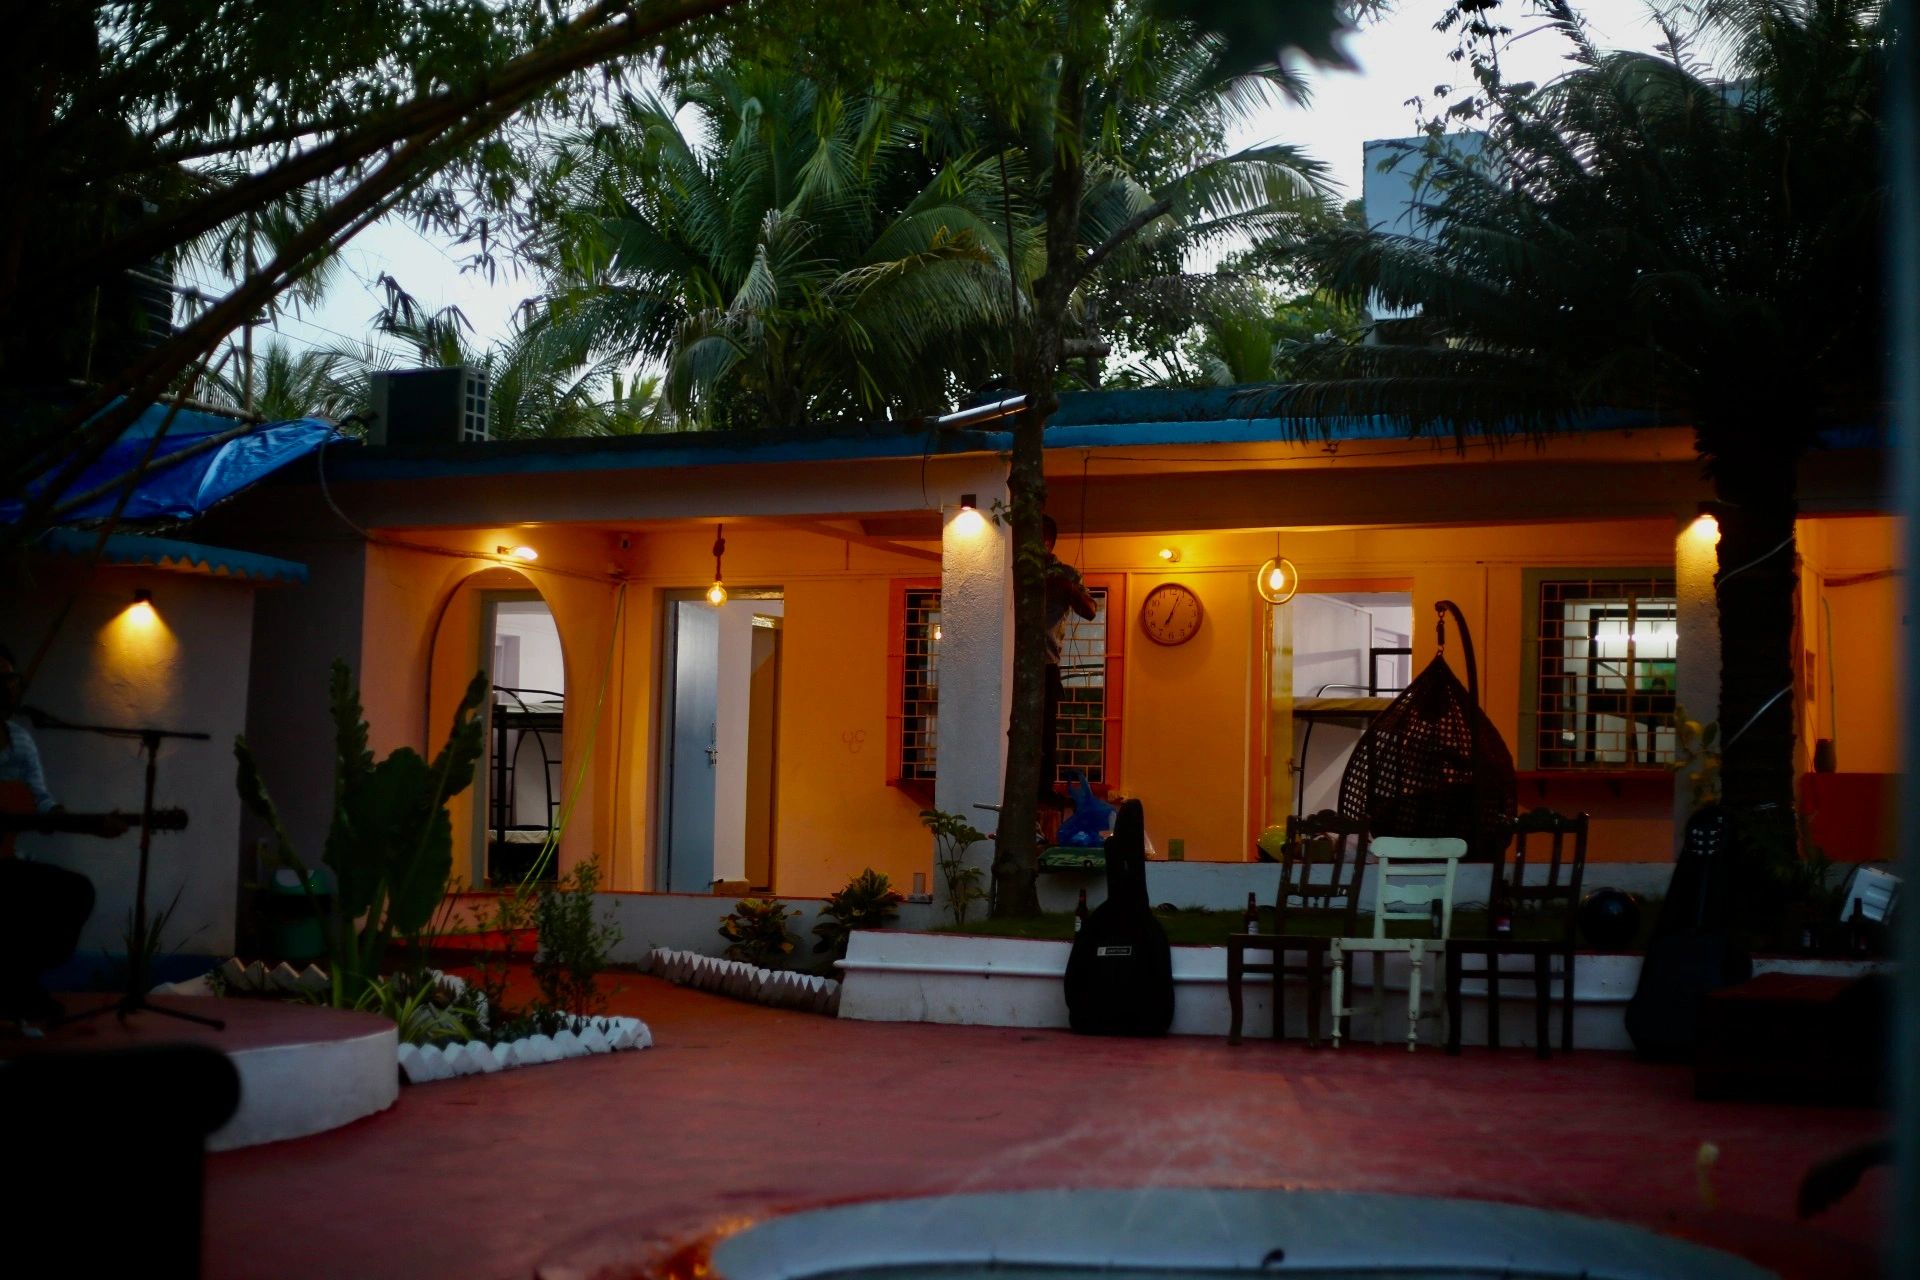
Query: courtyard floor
[{"x": 598, "y": 1166}]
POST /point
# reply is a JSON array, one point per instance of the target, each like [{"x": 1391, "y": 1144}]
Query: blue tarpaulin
[
  {"x": 168, "y": 553},
  {"x": 193, "y": 469}
]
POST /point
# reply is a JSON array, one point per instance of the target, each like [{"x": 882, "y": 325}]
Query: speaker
[{"x": 428, "y": 408}]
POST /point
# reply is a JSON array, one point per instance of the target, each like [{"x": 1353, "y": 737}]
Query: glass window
[{"x": 1604, "y": 678}]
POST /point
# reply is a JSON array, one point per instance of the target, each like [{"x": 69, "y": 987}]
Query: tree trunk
[
  {"x": 1755, "y": 592},
  {"x": 1037, "y": 371}
]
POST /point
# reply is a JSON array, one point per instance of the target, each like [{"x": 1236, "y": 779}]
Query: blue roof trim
[
  {"x": 174, "y": 555},
  {"x": 1085, "y": 420}
]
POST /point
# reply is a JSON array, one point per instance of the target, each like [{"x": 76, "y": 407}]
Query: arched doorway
[{"x": 506, "y": 826}]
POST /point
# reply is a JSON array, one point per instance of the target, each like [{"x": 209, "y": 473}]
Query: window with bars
[
  {"x": 919, "y": 686},
  {"x": 1088, "y": 723},
  {"x": 1081, "y": 726},
  {"x": 1604, "y": 648}
]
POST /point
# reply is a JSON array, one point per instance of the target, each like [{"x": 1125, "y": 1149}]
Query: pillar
[
  {"x": 976, "y": 654},
  {"x": 1696, "y": 558}
]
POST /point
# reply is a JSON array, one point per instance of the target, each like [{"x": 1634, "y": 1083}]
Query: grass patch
[{"x": 1194, "y": 927}]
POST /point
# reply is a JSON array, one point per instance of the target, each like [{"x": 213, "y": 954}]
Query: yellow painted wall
[
  {"x": 1851, "y": 694},
  {"x": 1193, "y": 714},
  {"x": 421, "y": 645},
  {"x": 835, "y": 813}
]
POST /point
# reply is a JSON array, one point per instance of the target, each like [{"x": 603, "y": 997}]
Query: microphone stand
[{"x": 134, "y": 999}]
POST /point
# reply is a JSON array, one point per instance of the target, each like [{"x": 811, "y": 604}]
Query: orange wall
[
  {"x": 834, "y": 812},
  {"x": 1194, "y": 714},
  {"x": 1851, "y": 694},
  {"x": 422, "y": 644}
]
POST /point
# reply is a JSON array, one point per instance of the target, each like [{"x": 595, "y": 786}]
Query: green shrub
[
  {"x": 756, "y": 932},
  {"x": 867, "y": 902},
  {"x": 390, "y": 845},
  {"x": 953, "y": 835},
  {"x": 573, "y": 943}
]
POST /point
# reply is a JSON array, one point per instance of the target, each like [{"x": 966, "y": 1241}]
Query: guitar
[
  {"x": 1692, "y": 952},
  {"x": 17, "y": 814},
  {"x": 1119, "y": 979}
]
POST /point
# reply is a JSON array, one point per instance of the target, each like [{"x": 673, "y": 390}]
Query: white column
[
  {"x": 976, "y": 654},
  {"x": 1696, "y": 558}
]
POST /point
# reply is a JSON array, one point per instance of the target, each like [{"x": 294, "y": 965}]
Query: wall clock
[{"x": 1171, "y": 614}]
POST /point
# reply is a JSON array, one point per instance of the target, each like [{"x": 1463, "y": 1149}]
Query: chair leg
[
  {"x": 1236, "y": 971},
  {"x": 1566, "y": 1001},
  {"x": 1453, "y": 1001},
  {"x": 1339, "y": 959},
  {"x": 1314, "y": 977},
  {"x": 1492, "y": 1000},
  {"x": 1415, "y": 964},
  {"x": 1542, "y": 1004},
  {"x": 1279, "y": 995},
  {"x": 1379, "y": 996}
]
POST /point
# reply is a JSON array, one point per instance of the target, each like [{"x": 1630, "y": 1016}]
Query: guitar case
[
  {"x": 1120, "y": 973},
  {"x": 1692, "y": 952}
]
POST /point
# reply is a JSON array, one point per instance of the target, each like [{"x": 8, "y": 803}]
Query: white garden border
[
  {"x": 744, "y": 981},
  {"x": 421, "y": 1063}
]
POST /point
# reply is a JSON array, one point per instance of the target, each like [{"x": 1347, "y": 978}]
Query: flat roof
[{"x": 1085, "y": 419}]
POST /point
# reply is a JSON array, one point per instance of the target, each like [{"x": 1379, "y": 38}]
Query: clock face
[{"x": 1171, "y": 614}]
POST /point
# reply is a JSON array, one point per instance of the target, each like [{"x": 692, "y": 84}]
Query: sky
[{"x": 1399, "y": 57}]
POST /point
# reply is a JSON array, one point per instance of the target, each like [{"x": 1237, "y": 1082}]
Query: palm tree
[
  {"x": 288, "y": 385},
  {"x": 787, "y": 255},
  {"x": 1646, "y": 234},
  {"x": 540, "y": 383},
  {"x": 1131, "y": 175}
]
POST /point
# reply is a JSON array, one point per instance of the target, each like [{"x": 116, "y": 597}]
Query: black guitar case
[
  {"x": 1692, "y": 952},
  {"x": 1120, "y": 974}
]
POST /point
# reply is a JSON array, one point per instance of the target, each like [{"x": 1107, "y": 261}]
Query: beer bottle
[
  {"x": 1080, "y": 912},
  {"x": 1250, "y": 923}
]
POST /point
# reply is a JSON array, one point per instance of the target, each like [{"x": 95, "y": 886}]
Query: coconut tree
[
  {"x": 1131, "y": 177},
  {"x": 1647, "y": 232},
  {"x": 289, "y": 384},
  {"x": 784, "y": 253}
]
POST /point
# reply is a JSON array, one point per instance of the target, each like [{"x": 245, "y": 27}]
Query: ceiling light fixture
[{"x": 717, "y": 593}]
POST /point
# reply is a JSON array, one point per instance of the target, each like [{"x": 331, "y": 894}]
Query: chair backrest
[
  {"x": 1321, "y": 867},
  {"x": 1412, "y": 871},
  {"x": 1556, "y": 841}
]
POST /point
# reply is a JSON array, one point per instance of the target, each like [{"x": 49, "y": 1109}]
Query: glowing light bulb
[
  {"x": 1277, "y": 580},
  {"x": 936, "y": 631},
  {"x": 1170, "y": 554},
  {"x": 519, "y": 553},
  {"x": 717, "y": 593}
]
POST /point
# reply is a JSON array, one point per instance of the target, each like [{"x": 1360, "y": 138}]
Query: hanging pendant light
[
  {"x": 717, "y": 593},
  {"x": 1277, "y": 580}
]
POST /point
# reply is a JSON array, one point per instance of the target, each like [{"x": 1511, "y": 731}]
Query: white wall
[
  {"x": 183, "y": 667},
  {"x": 531, "y": 622},
  {"x": 733, "y": 715}
]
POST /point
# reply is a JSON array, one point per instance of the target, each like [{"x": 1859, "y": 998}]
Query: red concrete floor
[{"x": 591, "y": 1167}]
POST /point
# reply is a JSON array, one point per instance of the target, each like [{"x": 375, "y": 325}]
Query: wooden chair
[
  {"x": 1323, "y": 840},
  {"x": 1547, "y": 909},
  {"x": 1411, "y": 873}
]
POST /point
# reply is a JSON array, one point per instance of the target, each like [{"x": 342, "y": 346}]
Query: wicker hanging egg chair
[{"x": 1432, "y": 764}]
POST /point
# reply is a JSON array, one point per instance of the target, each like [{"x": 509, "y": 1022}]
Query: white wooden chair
[{"x": 1412, "y": 872}]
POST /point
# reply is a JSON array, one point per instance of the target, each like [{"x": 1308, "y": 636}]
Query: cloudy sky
[{"x": 1399, "y": 57}]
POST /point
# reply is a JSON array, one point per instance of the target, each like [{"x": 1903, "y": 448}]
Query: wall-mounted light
[
  {"x": 1277, "y": 580},
  {"x": 1170, "y": 554},
  {"x": 519, "y": 553},
  {"x": 937, "y": 633},
  {"x": 717, "y": 593},
  {"x": 969, "y": 521}
]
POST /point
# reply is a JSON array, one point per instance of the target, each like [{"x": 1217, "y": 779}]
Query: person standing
[
  {"x": 42, "y": 907},
  {"x": 1066, "y": 593}
]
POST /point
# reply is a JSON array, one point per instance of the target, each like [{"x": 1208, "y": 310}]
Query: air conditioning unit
[{"x": 415, "y": 408}]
